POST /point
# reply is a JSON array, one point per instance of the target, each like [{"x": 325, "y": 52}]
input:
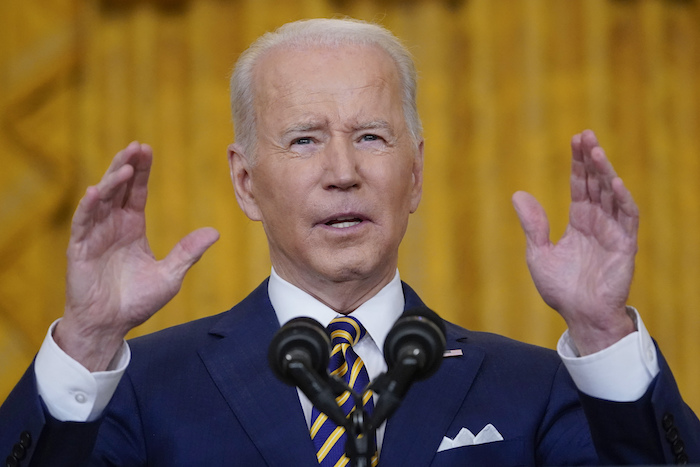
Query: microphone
[
  {"x": 413, "y": 351},
  {"x": 298, "y": 355},
  {"x": 419, "y": 333}
]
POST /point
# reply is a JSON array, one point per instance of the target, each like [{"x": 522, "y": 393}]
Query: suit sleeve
[
  {"x": 658, "y": 428},
  {"x": 29, "y": 436}
]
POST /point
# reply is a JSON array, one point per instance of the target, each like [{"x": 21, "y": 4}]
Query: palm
[
  {"x": 114, "y": 271},
  {"x": 591, "y": 265}
]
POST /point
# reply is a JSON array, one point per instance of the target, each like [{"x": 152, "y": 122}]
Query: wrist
[
  {"x": 592, "y": 334},
  {"x": 92, "y": 347}
]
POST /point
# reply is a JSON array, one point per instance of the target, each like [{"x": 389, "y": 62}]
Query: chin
[{"x": 353, "y": 269}]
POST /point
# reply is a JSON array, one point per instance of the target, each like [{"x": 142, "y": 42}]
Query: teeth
[{"x": 344, "y": 225}]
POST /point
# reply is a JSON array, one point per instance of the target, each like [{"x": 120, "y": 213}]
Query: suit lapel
[
  {"x": 415, "y": 431},
  {"x": 267, "y": 409}
]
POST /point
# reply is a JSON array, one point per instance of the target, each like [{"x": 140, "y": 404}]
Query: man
[{"x": 329, "y": 158}]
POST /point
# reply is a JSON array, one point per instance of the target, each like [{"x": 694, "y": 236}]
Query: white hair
[{"x": 311, "y": 33}]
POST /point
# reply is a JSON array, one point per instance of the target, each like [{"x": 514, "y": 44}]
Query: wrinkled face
[{"x": 336, "y": 173}]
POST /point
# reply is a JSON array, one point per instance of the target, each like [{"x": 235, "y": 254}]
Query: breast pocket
[{"x": 507, "y": 453}]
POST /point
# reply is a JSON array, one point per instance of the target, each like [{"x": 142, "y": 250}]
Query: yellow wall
[{"x": 504, "y": 84}]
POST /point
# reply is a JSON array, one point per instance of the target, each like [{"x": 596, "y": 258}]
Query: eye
[
  {"x": 369, "y": 137},
  {"x": 302, "y": 141}
]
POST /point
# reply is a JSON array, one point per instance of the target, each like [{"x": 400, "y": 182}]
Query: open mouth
[{"x": 343, "y": 222}]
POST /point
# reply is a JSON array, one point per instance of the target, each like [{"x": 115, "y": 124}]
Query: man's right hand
[{"x": 113, "y": 282}]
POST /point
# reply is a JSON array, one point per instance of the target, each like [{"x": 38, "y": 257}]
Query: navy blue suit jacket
[{"x": 202, "y": 394}]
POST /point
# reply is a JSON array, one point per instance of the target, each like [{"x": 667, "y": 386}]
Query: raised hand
[
  {"x": 113, "y": 281},
  {"x": 586, "y": 276}
]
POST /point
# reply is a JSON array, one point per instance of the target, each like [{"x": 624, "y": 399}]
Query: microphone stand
[
  {"x": 360, "y": 427},
  {"x": 391, "y": 388},
  {"x": 360, "y": 434}
]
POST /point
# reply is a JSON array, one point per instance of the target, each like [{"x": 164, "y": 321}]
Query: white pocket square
[{"x": 488, "y": 434}]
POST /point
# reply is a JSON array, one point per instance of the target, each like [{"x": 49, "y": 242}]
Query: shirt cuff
[
  {"x": 70, "y": 391},
  {"x": 619, "y": 373}
]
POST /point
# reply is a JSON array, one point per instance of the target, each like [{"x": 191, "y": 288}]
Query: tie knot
[{"x": 346, "y": 330}]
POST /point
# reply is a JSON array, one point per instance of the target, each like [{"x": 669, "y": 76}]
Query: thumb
[
  {"x": 188, "y": 251},
  {"x": 533, "y": 219}
]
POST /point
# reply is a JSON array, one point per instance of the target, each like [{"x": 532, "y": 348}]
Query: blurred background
[{"x": 504, "y": 84}]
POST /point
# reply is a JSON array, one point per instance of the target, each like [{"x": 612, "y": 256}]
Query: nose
[{"x": 341, "y": 170}]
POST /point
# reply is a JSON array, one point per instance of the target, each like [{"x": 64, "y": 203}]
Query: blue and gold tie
[{"x": 329, "y": 439}]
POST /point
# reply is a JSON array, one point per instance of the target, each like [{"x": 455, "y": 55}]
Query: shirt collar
[{"x": 377, "y": 315}]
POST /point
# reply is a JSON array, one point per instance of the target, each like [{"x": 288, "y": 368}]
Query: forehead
[{"x": 344, "y": 78}]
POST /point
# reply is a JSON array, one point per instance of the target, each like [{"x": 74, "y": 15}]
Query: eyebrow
[
  {"x": 373, "y": 125},
  {"x": 303, "y": 127}
]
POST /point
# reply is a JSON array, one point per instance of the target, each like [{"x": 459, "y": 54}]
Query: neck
[{"x": 342, "y": 295}]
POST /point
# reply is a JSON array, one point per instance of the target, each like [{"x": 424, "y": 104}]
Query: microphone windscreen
[
  {"x": 300, "y": 339},
  {"x": 418, "y": 328}
]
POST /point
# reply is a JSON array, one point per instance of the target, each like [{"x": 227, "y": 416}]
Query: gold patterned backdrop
[{"x": 503, "y": 86}]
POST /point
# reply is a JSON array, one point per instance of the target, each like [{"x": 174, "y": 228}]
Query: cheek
[
  {"x": 281, "y": 197},
  {"x": 398, "y": 185}
]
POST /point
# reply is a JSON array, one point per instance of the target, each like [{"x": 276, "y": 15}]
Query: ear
[
  {"x": 240, "y": 167},
  {"x": 417, "y": 175}
]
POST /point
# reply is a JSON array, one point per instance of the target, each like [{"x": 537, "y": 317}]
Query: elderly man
[{"x": 329, "y": 158}]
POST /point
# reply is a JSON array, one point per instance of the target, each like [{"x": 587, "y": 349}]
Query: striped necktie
[{"x": 329, "y": 439}]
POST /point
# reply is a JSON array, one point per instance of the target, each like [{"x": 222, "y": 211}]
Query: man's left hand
[{"x": 586, "y": 276}]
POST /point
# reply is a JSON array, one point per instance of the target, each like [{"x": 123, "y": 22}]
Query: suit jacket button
[
  {"x": 667, "y": 421},
  {"x": 682, "y": 459},
  {"x": 25, "y": 439},
  {"x": 678, "y": 447},
  {"x": 19, "y": 452},
  {"x": 11, "y": 461},
  {"x": 672, "y": 434}
]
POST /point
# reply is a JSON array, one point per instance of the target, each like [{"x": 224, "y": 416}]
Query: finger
[
  {"x": 139, "y": 157},
  {"x": 188, "y": 251},
  {"x": 593, "y": 188},
  {"x": 98, "y": 201},
  {"x": 604, "y": 174},
  {"x": 579, "y": 189},
  {"x": 628, "y": 212},
  {"x": 137, "y": 188},
  {"x": 602, "y": 166},
  {"x": 599, "y": 173},
  {"x": 533, "y": 219},
  {"x": 119, "y": 161},
  {"x": 123, "y": 156},
  {"x": 84, "y": 214}
]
